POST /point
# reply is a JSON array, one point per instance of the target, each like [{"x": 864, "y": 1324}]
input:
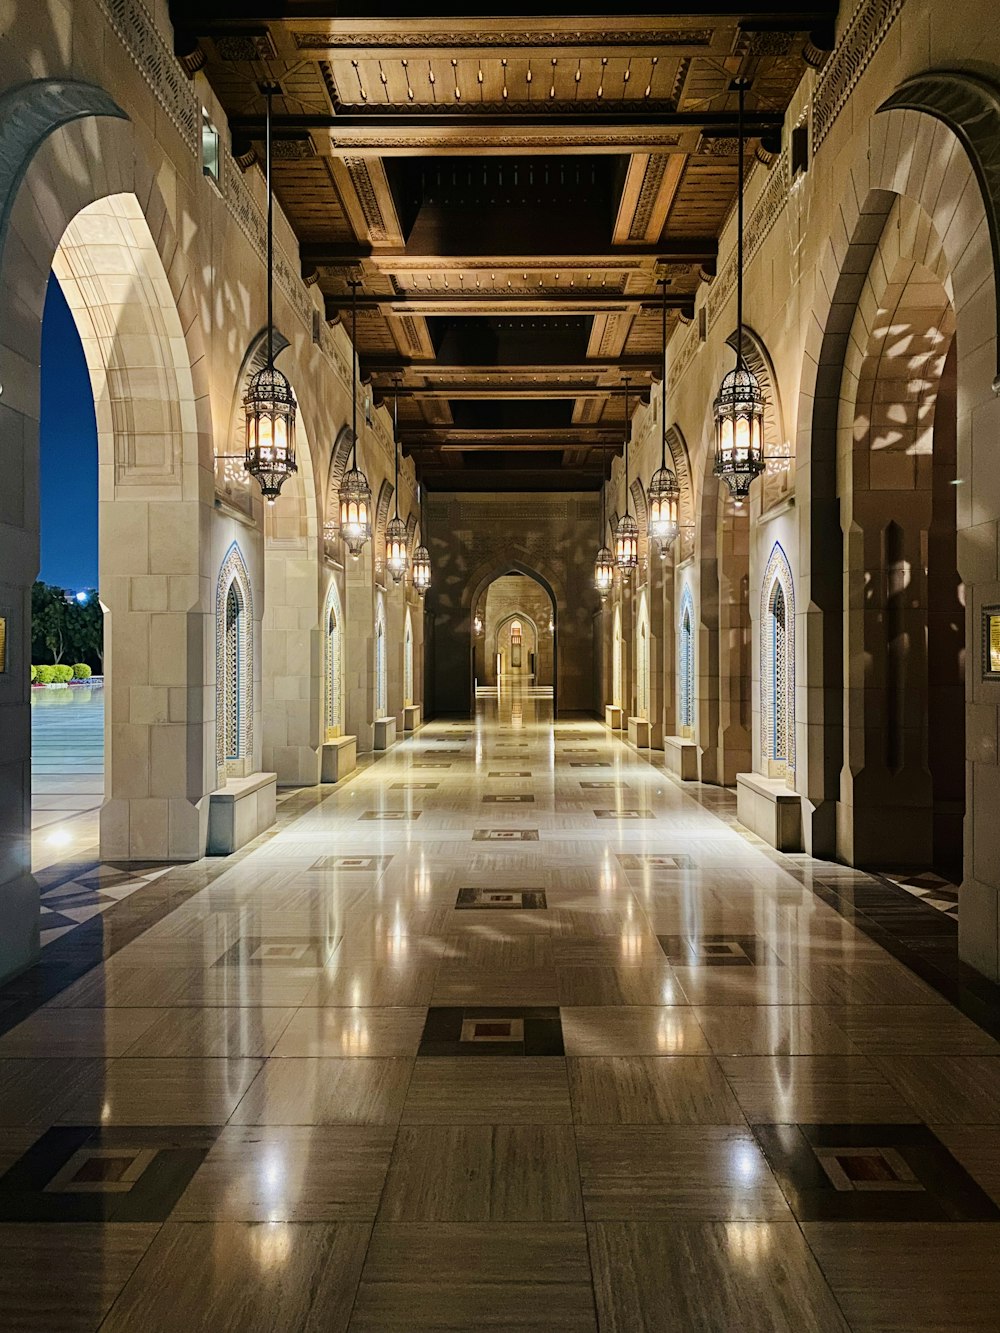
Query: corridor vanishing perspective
[
  {"x": 499, "y": 668},
  {"x": 509, "y": 1030}
]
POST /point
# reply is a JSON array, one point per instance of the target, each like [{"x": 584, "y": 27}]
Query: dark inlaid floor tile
[
  {"x": 515, "y": 773},
  {"x": 93, "y": 1174},
  {"x": 590, "y": 763},
  {"x": 717, "y": 951},
  {"x": 623, "y": 814},
  {"x": 501, "y": 899},
  {"x": 505, "y": 835},
  {"x": 391, "y": 815},
  {"x": 872, "y": 1173},
  {"x": 309, "y": 952},
  {"x": 508, "y": 799},
  {"x": 367, "y": 863},
  {"x": 654, "y": 860},
  {"x": 491, "y": 1030},
  {"x": 414, "y": 786}
]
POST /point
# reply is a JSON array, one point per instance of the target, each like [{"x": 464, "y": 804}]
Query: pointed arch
[
  {"x": 333, "y": 664},
  {"x": 234, "y": 665},
  {"x": 381, "y": 676},
  {"x": 777, "y": 665},
  {"x": 685, "y": 660},
  {"x": 638, "y": 493},
  {"x": 233, "y": 483},
  {"x": 758, "y": 360},
  {"x": 385, "y": 494},
  {"x": 407, "y": 660},
  {"x": 616, "y": 660},
  {"x": 680, "y": 461},
  {"x": 642, "y": 658}
]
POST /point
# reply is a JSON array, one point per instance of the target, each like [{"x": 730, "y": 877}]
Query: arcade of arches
[{"x": 728, "y": 994}]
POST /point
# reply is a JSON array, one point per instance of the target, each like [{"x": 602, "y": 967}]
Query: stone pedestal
[
  {"x": 239, "y": 811},
  {"x": 613, "y": 717},
  {"x": 340, "y": 757},
  {"x": 769, "y": 808},
  {"x": 640, "y": 732},
  {"x": 680, "y": 755},
  {"x": 385, "y": 733},
  {"x": 411, "y": 717}
]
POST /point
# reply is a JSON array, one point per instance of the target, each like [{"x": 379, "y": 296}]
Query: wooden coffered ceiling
[{"x": 511, "y": 194}]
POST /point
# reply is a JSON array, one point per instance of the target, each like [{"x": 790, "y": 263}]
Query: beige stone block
[
  {"x": 168, "y": 747},
  {"x": 128, "y": 760},
  {"x": 168, "y": 646},
  {"x": 148, "y": 704},
  {"x": 148, "y": 829}
]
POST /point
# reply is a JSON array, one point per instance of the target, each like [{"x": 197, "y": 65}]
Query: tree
[{"x": 64, "y": 628}]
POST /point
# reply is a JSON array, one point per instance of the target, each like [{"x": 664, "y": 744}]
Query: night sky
[{"x": 69, "y": 452}]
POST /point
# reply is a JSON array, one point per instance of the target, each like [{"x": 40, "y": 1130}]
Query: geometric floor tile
[
  {"x": 505, "y": 835},
  {"x": 500, "y": 899},
  {"x": 492, "y": 1030},
  {"x": 92, "y": 1174},
  {"x": 351, "y": 863},
  {"x": 280, "y": 951},
  {"x": 623, "y": 814},
  {"x": 716, "y": 951},
  {"x": 508, "y": 800},
  {"x": 872, "y": 1173},
  {"x": 391, "y": 814},
  {"x": 512, "y": 773},
  {"x": 654, "y": 860}
]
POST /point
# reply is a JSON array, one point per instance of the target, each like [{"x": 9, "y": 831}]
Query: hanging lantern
[
  {"x": 663, "y": 496},
  {"x": 270, "y": 412},
  {"x": 269, "y": 403},
  {"x": 355, "y": 510},
  {"x": 739, "y": 408},
  {"x": 604, "y": 572},
  {"x": 395, "y": 548},
  {"x": 739, "y": 431},
  {"x": 477, "y": 624},
  {"x": 421, "y": 569},
  {"x": 396, "y": 536},
  {"x": 627, "y": 532},
  {"x": 355, "y": 493}
]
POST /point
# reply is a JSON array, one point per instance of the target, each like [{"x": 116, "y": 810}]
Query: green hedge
[
  {"x": 44, "y": 675},
  {"x": 59, "y": 675},
  {"x": 81, "y": 671}
]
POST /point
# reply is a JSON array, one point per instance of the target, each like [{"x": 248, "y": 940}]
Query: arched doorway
[{"x": 517, "y": 641}]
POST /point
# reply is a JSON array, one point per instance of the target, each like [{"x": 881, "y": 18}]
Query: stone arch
[
  {"x": 234, "y": 667},
  {"x": 407, "y": 659},
  {"x": 638, "y": 493},
  {"x": 680, "y": 461},
  {"x": 381, "y": 663},
  {"x": 504, "y": 635},
  {"x": 642, "y": 648},
  {"x": 686, "y": 665},
  {"x": 938, "y": 147},
  {"x": 617, "y": 655},
  {"x": 385, "y": 494},
  {"x": 777, "y": 666},
  {"x": 333, "y": 663},
  {"x": 515, "y": 561}
]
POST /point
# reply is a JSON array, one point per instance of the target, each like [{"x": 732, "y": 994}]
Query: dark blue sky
[{"x": 69, "y": 452}]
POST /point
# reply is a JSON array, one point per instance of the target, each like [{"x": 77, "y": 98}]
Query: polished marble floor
[
  {"x": 423, "y": 1059},
  {"x": 67, "y": 771}
]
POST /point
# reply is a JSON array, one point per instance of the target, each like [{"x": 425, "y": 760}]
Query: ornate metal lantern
[
  {"x": 739, "y": 430},
  {"x": 627, "y": 532},
  {"x": 663, "y": 496},
  {"x": 355, "y": 493},
  {"x": 604, "y": 572},
  {"x": 269, "y": 403},
  {"x": 739, "y": 408},
  {"x": 396, "y": 536},
  {"x": 421, "y": 569}
]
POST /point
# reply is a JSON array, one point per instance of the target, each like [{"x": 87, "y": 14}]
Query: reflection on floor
[
  {"x": 67, "y": 772},
  {"x": 418, "y": 1060},
  {"x": 934, "y": 889}
]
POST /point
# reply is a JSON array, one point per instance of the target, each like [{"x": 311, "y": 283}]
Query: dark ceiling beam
[
  {"x": 216, "y": 16},
  {"x": 571, "y": 302},
  {"x": 455, "y": 251},
  {"x": 522, "y": 390},
  {"x": 389, "y": 365},
  {"x": 510, "y": 441},
  {"x": 360, "y": 124}
]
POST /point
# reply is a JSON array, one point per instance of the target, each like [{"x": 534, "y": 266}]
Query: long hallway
[{"x": 507, "y": 1031}]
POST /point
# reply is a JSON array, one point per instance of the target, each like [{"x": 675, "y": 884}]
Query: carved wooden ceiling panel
[{"x": 509, "y": 193}]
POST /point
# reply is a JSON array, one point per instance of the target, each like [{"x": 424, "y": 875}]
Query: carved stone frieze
[
  {"x": 463, "y": 39},
  {"x": 864, "y": 35}
]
